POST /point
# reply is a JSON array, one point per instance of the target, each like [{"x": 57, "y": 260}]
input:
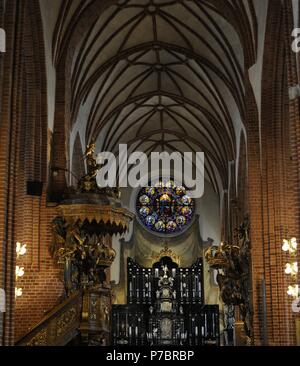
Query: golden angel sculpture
[{"x": 88, "y": 182}]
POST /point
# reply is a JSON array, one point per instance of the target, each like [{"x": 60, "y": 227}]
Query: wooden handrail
[{"x": 58, "y": 327}]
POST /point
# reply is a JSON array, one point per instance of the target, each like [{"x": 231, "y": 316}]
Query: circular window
[{"x": 165, "y": 208}]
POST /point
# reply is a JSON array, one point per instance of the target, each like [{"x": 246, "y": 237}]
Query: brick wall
[
  {"x": 42, "y": 284},
  {"x": 293, "y": 195},
  {"x": 273, "y": 201},
  {"x": 23, "y": 155}
]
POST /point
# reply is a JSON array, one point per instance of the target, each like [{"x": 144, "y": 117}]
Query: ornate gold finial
[
  {"x": 166, "y": 252},
  {"x": 216, "y": 256}
]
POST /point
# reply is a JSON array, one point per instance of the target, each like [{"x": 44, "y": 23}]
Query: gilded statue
[
  {"x": 84, "y": 261},
  {"x": 104, "y": 313},
  {"x": 232, "y": 263},
  {"x": 88, "y": 182}
]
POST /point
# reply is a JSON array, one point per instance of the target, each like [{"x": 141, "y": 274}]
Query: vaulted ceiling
[{"x": 160, "y": 75}]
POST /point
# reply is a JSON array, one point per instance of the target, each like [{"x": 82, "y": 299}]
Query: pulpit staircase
[{"x": 59, "y": 327}]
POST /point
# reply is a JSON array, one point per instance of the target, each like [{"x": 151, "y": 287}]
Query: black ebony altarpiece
[{"x": 165, "y": 307}]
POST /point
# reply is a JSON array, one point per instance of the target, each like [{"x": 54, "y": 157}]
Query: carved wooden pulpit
[{"x": 87, "y": 219}]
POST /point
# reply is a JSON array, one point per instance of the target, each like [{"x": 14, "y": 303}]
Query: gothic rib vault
[{"x": 159, "y": 75}]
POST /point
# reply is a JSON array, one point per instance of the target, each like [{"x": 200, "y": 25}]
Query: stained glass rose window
[{"x": 165, "y": 208}]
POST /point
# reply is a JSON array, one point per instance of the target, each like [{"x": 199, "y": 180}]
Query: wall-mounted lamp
[
  {"x": 293, "y": 291},
  {"x": 21, "y": 250},
  {"x": 290, "y": 246},
  {"x": 19, "y": 272},
  {"x": 291, "y": 268},
  {"x": 18, "y": 292}
]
